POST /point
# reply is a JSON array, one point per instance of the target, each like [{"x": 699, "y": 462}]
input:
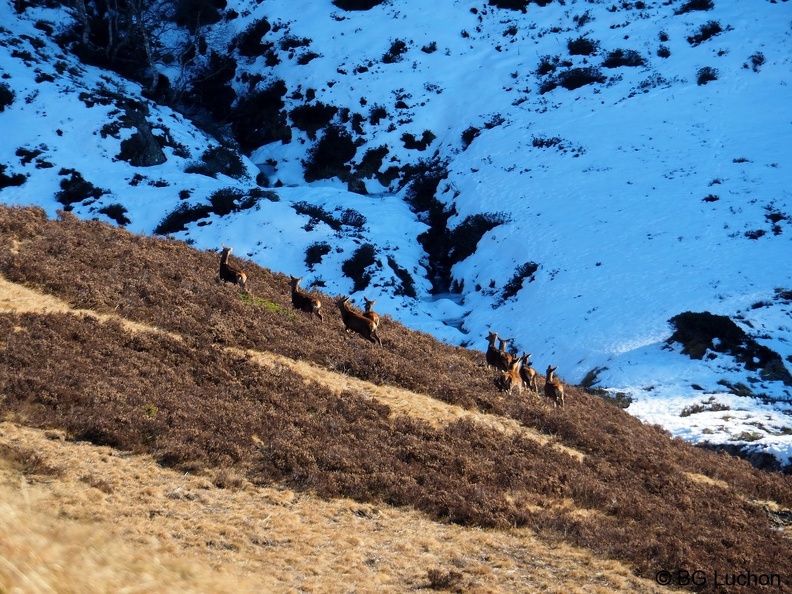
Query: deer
[
  {"x": 554, "y": 389},
  {"x": 528, "y": 374},
  {"x": 304, "y": 301},
  {"x": 370, "y": 313},
  {"x": 356, "y": 322},
  {"x": 511, "y": 378},
  {"x": 497, "y": 357},
  {"x": 228, "y": 273}
]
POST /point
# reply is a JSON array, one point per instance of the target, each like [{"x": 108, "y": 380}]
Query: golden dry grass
[{"x": 99, "y": 520}]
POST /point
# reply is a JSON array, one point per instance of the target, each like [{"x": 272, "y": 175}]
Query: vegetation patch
[
  {"x": 219, "y": 160},
  {"x": 15, "y": 179},
  {"x": 7, "y": 96},
  {"x": 330, "y": 156},
  {"x": 705, "y": 32},
  {"x": 117, "y": 212},
  {"x": 75, "y": 188},
  {"x": 522, "y": 273},
  {"x": 315, "y": 252},
  {"x": 407, "y": 286},
  {"x": 266, "y": 305},
  {"x": 357, "y": 266},
  {"x": 703, "y": 332},
  {"x": 620, "y": 57}
]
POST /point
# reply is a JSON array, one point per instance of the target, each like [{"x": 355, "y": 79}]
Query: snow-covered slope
[{"x": 622, "y": 203}]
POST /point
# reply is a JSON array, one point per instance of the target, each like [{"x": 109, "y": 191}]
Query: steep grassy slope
[{"x": 194, "y": 395}]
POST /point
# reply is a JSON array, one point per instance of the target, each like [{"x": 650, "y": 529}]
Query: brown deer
[
  {"x": 356, "y": 322},
  {"x": 228, "y": 273},
  {"x": 496, "y": 357},
  {"x": 304, "y": 301},
  {"x": 370, "y": 313},
  {"x": 554, "y": 389},
  {"x": 511, "y": 379},
  {"x": 528, "y": 374}
]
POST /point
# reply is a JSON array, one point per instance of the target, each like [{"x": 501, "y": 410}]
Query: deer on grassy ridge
[
  {"x": 511, "y": 378},
  {"x": 356, "y": 322},
  {"x": 304, "y": 301},
  {"x": 497, "y": 357},
  {"x": 528, "y": 374},
  {"x": 370, "y": 313},
  {"x": 228, "y": 273},
  {"x": 554, "y": 389}
]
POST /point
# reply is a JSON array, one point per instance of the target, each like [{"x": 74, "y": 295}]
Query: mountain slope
[
  {"x": 578, "y": 220},
  {"x": 192, "y": 393}
]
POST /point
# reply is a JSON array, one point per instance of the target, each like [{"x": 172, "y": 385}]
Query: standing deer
[
  {"x": 528, "y": 374},
  {"x": 370, "y": 313},
  {"x": 497, "y": 358},
  {"x": 228, "y": 273},
  {"x": 511, "y": 379},
  {"x": 356, "y": 322},
  {"x": 304, "y": 301},
  {"x": 553, "y": 388}
]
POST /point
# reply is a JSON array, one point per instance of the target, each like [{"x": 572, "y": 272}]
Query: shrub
[
  {"x": 412, "y": 143},
  {"x": 7, "y": 96},
  {"x": 310, "y": 118},
  {"x": 76, "y": 189},
  {"x": 218, "y": 159},
  {"x": 258, "y": 118},
  {"x": 407, "y": 287},
  {"x": 706, "y": 74},
  {"x": 394, "y": 54},
  {"x": 315, "y": 252},
  {"x": 574, "y": 78},
  {"x": 522, "y": 272},
  {"x": 117, "y": 212},
  {"x": 210, "y": 87},
  {"x": 692, "y": 5},
  {"x": 757, "y": 60},
  {"x": 6, "y": 181},
  {"x": 178, "y": 219},
  {"x": 464, "y": 238},
  {"x": 351, "y": 5},
  {"x": 469, "y": 135},
  {"x": 547, "y": 64},
  {"x": 707, "y": 31},
  {"x": 376, "y": 115},
  {"x": 329, "y": 157},
  {"x": 663, "y": 51},
  {"x": 582, "y": 46},
  {"x": 620, "y": 57},
  {"x": 317, "y": 214},
  {"x": 249, "y": 41},
  {"x": 355, "y": 267}
]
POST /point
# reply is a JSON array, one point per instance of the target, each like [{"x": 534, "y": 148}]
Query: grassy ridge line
[
  {"x": 81, "y": 518},
  {"x": 631, "y": 498}
]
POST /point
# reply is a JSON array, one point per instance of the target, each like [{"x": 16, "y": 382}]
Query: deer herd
[{"x": 514, "y": 372}]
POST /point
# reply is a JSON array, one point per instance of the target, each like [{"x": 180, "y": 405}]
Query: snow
[{"x": 614, "y": 213}]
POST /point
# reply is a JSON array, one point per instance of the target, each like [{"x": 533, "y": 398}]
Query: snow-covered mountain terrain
[{"x": 572, "y": 175}]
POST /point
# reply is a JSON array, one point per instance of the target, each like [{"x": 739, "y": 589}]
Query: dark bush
[
  {"x": 178, "y": 219},
  {"x": 469, "y": 135},
  {"x": 210, "y": 86},
  {"x": 330, "y": 156},
  {"x": 582, "y": 46},
  {"x": 258, "y": 117},
  {"x": 707, "y": 31},
  {"x": 217, "y": 160},
  {"x": 76, "y": 189},
  {"x": 315, "y": 252},
  {"x": 6, "y": 96},
  {"x": 663, "y": 51},
  {"x": 757, "y": 60},
  {"x": 407, "y": 287},
  {"x": 376, "y": 115},
  {"x": 117, "y": 212},
  {"x": 355, "y": 267},
  {"x": 194, "y": 14},
  {"x": 412, "y": 143},
  {"x": 574, "y": 78},
  {"x": 620, "y": 57},
  {"x": 547, "y": 64},
  {"x": 706, "y": 74},
  {"x": 692, "y": 5},
  {"x": 395, "y": 52},
  {"x": 312, "y": 117},
  {"x": 224, "y": 201},
  {"x": 464, "y": 238},
  {"x": 351, "y": 5},
  {"x": 6, "y": 181},
  {"x": 515, "y": 283},
  {"x": 372, "y": 161},
  {"x": 317, "y": 214},
  {"x": 353, "y": 218},
  {"x": 249, "y": 41}
]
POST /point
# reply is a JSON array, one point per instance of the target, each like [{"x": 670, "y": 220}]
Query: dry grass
[
  {"x": 149, "y": 354},
  {"x": 103, "y": 521}
]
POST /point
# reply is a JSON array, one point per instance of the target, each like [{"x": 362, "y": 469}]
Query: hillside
[
  {"x": 575, "y": 175},
  {"x": 132, "y": 344}
]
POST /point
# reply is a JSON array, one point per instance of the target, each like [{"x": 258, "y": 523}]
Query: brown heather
[{"x": 165, "y": 361}]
